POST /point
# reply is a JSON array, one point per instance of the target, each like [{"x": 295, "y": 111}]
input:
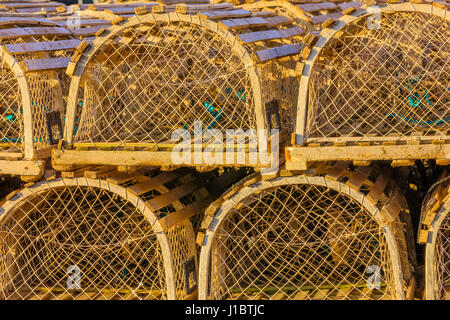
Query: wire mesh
[
  {"x": 47, "y": 89},
  {"x": 149, "y": 80},
  {"x": 79, "y": 242},
  {"x": 11, "y": 128},
  {"x": 300, "y": 242},
  {"x": 390, "y": 79}
]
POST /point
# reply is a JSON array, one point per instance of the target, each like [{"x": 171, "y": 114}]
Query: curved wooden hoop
[
  {"x": 13, "y": 64},
  {"x": 137, "y": 20},
  {"x": 12, "y": 204},
  {"x": 431, "y": 285},
  {"x": 261, "y": 186}
]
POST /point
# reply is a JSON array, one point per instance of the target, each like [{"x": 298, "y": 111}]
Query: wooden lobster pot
[
  {"x": 125, "y": 237},
  {"x": 375, "y": 87},
  {"x": 152, "y": 74},
  {"x": 34, "y": 54},
  {"x": 333, "y": 233},
  {"x": 435, "y": 233}
]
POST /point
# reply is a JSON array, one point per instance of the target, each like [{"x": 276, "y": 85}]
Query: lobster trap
[
  {"x": 376, "y": 87},
  {"x": 104, "y": 234},
  {"x": 435, "y": 233},
  {"x": 334, "y": 233},
  {"x": 34, "y": 54},
  {"x": 154, "y": 81}
]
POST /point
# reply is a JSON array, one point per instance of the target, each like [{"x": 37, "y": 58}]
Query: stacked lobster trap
[
  {"x": 112, "y": 236},
  {"x": 34, "y": 53},
  {"x": 335, "y": 232},
  {"x": 121, "y": 219},
  {"x": 376, "y": 87},
  {"x": 36, "y": 49},
  {"x": 184, "y": 70},
  {"x": 435, "y": 233}
]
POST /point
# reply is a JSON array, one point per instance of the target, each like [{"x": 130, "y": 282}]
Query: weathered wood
[
  {"x": 32, "y": 32},
  {"x": 45, "y": 64},
  {"x": 278, "y": 52},
  {"x": 33, "y": 47},
  {"x": 243, "y": 23},
  {"x": 311, "y": 7},
  {"x": 225, "y": 14}
]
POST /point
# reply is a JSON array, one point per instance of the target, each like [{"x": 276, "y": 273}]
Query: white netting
[
  {"x": 300, "y": 242},
  {"x": 150, "y": 80},
  {"x": 393, "y": 80},
  {"x": 86, "y": 237}
]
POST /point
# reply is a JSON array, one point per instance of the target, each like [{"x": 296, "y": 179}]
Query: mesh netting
[
  {"x": 150, "y": 80},
  {"x": 11, "y": 127},
  {"x": 78, "y": 242},
  {"x": 300, "y": 242},
  {"x": 48, "y": 91},
  {"x": 391, "y": 80},
  {"x": 443, "y": 259}
]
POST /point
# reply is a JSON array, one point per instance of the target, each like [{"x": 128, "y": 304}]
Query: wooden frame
[
  {"x": 385, "y": 212},
  {"x": 402, "y": 150}
]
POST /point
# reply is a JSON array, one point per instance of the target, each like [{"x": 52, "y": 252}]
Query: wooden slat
[
  {"x": 225, "y": 14},
  {"x": 30, "y": 10},
  {"x": 30, "y": 47},
  {"x": 123, "y": 177},
  {"x": 45, "y": 64},
  {"x": 25, "y": 20},
  {"x": 87, "y": 22},
  {"x": 277, "y": 52},
  {"x": 188, "y": 211},
  {"x": 311, "y": 7},
  {"x": 32, "y": 32},
  {"x": 243, "y": 23},
  {"x": 259, "y": 36},
  {"x": 155, "y": 181},
  {"x": 182, "y": 1},
  {"x": 322, "y": 18},
  {"x": 89, "y": 31},
  {"x": 351, "y": 4},
  {"x": 358, "y": 177},
  {"x": 11, "y": 5},
  {"x": 174, "y": 194},
  {"x": 277, "y": 21},
  {"x": 291, "y": 32},
  {"x": 183, "y": 8}
]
